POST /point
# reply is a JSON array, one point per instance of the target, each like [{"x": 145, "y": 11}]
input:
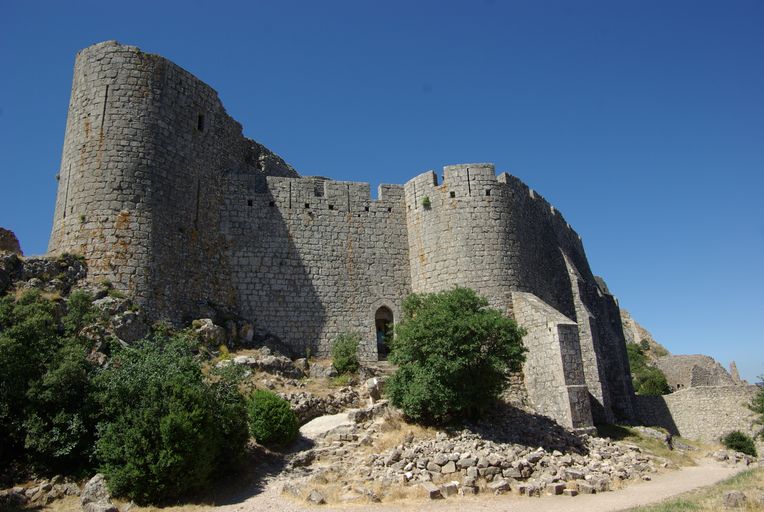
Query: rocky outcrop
[
  {"x": 50, "y": 274},
  {"x": 308, "y": 406},
  {"x": 9, "y": 243},
  {"x": 634, "y": 333}
]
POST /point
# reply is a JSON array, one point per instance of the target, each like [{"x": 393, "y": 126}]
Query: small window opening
[
  {"x": 389, "y": 210},
  {"x": 488, "y": 192},
  {"x": 331, "y": 207},
  {"x": 272, "y": 204},
  {"x": 249, "y": 202},
  {"x": 307, "y": 205},
  {"x": 366, "y": 209},
  {"x": 453, "y": 194},
  {"x": 200, "y": 122}
]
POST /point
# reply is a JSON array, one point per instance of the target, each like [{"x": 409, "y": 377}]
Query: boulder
[
  {"x": 448, "y": 468},
  {"x": 129, "y": 326},
  {"x": 449, "y": 488},
  {"x": 499, "y": 486},
  {"x": 374, "y": 388},
  {"x": 734, "y": 499},
  {"x": 95, "y": 490},
  {"x": 316, "y": 498},
  {"x": 322, "y": 370},
  {"x": 431, "y": 490},
  {"x": 211, "y": 334}
]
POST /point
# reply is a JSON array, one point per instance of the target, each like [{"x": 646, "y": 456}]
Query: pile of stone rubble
[{"x": 469, "y": 461}]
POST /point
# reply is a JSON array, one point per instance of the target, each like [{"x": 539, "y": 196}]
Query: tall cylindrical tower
[{"x": 104, "y": 191}]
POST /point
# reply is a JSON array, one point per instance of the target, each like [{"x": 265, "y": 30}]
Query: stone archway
[{"x": 383, "y": 323}]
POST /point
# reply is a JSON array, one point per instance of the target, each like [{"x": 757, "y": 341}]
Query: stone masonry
[{"x": 164, "y": 197}]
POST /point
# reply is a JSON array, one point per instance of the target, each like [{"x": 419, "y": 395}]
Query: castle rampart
[{"x": 163, "y": 196}]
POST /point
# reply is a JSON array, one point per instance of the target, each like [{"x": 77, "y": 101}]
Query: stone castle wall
[
  {"x": 163, "y": 196},
  {"x": 313, "y": 258},
  {"x": 706, "y": 413}
]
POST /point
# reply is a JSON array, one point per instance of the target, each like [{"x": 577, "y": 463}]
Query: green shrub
[
  {"x": 79, "y": 312},
  {"x": 271, "y": 419},
  {"x": 739, "y": 442},
  {"x": 426, "y": 202},
  {"x": 452, "y": 352},
  {"x": 647, "y": 380},
  {"x": 345, "y": 352},
  {"x": 166, "y": 430},
  {"x": 651, "y": 382},
  {"x": 46, "y": 414},
  {"x": 60, "y": 422}
]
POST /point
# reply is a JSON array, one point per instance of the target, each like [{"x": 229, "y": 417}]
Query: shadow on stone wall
[
  {"x": 653, "y": 411},
  {"x": 272, "y": 283},
  {"x": 508, "y": 424}
]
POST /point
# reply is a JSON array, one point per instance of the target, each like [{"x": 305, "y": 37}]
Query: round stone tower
[
  {"x": 105, "y": 187},
  {"x": 144, "y": 179},
  {"x": 459, "y": 232}
]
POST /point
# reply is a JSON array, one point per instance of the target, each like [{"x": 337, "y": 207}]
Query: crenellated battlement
[{"x": 318, "y": 193}]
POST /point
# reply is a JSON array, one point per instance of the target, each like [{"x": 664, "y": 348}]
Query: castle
[{"x": 161, "y": 193}]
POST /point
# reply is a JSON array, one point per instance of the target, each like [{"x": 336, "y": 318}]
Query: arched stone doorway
[{"x": 383, "y": 321}]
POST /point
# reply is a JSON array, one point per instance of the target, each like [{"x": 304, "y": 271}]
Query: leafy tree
[
  {"x": 345, "y": 352},
  {"x": 271, "y": 419},
  {"x": 452, "y": 352},
  {"x": 166, "y": 429}
]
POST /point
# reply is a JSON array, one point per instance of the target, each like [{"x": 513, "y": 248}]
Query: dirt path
[{"x": 635, "y": 494}]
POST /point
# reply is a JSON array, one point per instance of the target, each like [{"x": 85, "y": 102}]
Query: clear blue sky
[{"x": 642, "y": 121}]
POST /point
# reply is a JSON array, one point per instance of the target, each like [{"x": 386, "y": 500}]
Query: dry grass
[
  {"x": 395, "y": 431},
  {"x": 751, "y": 482}
]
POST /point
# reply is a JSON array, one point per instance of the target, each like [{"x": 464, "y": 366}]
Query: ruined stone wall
[
  {"x": 706, "y": 413},
  {"x": 686, "y": 371},
  {"x": 313, "y": 258},
  {"x": 146, "y": 148}
]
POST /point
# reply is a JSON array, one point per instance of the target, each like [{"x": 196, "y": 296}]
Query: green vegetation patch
[
  {"x": 647, "y": 380},
  {"x": 345, "y": 352}
]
